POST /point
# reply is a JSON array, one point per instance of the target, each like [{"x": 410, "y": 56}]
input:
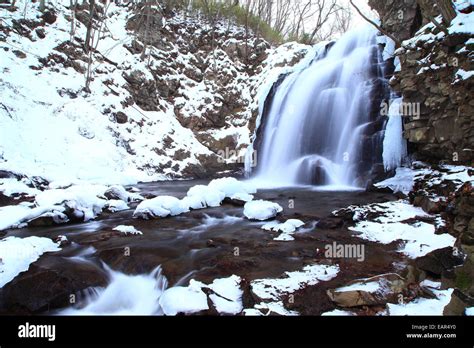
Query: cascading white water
[{"x": 314, "y": 129}]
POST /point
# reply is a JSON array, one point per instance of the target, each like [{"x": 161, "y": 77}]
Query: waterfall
[{"x": 321, "y": 127}]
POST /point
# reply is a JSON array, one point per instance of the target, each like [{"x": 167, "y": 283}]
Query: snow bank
[
  {"x": 422, "y": 306},
  {"x": 419, "y": 238},
  {"x": 15, "y": 215},
  {"x": 16, "y": 255},
  {"x": 261, "y": 210},
  {"x": 405, "y": 178},
  {"x": 274, "y": 289},
  {"x": 11, "y": 186},
  {"x": 271, "y": 291},
  {"x": 127, "y": 230}
]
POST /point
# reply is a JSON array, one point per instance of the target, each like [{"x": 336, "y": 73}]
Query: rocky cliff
[
  {"x": 434, "y": 75},
  {"x": 434, "y": 78},
  {"x": 185, "y": 83}
]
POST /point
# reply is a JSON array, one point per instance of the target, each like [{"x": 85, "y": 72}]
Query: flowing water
[{"x": 319, "y": 117}]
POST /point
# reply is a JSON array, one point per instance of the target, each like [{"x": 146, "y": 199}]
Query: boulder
[
  {"x": 373, "y": 291},
  {"x": 439, "y": 260}
]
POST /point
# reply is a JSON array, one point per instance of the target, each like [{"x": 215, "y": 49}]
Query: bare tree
[
  {"x": 398, "y": 43},
  {"x": 90, "y": 26},
  {"x": 95, "y": 35},
  {"x": 73, "y": 6}
]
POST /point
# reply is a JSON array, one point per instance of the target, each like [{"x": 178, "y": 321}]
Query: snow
[
  {"x": 261, "y": 210},
  {"x": 185, "y": 300},
  {"x": 232, "y": 188},
  {"x": 463, "y": 75},
  {"x": 405, "y": 178},
  {"x": 419, "y": 238},
  {"x": 127, "y": 230},
  {"x": 85, "y": 199},
  {"x": 430, "y": 284},
  {"x": 60, "y": 138},
  {"x": 13, "y": 216},
  {"x": 12, "y": 186},
  {"x": 470, "y": 311},
  {"x": 274, "y": 289},
  {"x": 162, "y": 206},
  {"x": 394, "y": 145},
  {"x": 337, "y": 313},
  {"x": 198, "y": 197},
  {"x": 287, "y": 228},
  {"x": 367, "y": 287},
  {"x": 463, "y": 23},
  {"x": 227, "y": 297},
  {"x": 16, "y": 255},
  {"x": 205, "y": 196},
  {"x": 390, "y": 225},
  {"x": 422, "y": 306},
  {"x": 115, "y": 205}
]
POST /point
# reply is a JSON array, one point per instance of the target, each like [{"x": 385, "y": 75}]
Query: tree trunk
[
  {"x": 90, "y": 26},
  {"x": 446, "y": 8}
]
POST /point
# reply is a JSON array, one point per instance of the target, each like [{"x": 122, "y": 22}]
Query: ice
[{"x": 394, "y": 145}]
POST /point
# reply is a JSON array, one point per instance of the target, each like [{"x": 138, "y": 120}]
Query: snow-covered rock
[
  {"x": 16, "y": 255},
  {"x": 161, "y": 206},
  {"x": 127, "y": 230},
  {"x": 186, "y": 300},
  {"x": 287, "y": 228},
  {"x": 261, "y": 210}
]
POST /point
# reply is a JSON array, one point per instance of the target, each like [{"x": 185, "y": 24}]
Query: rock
[
  {"x": 40, "y": 32},
  {"x": 49, "y": 17},
  {"x": 48, "y": 219},
  {"x": 369, "y": 292},
  {"x": 330, "y": 223},
  {"x": 121, "y": 117},
  {"x": 48, "y": 285},
  {"x": 235, "y": 202},
  {"x": 439, "y": 261},
  {"x": 19, "y": 54},
  {"x": 458, "y": 304}
]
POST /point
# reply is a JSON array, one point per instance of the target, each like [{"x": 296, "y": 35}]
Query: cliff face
[
  {"x": 176, "y": 100},
  {"x": 435, "y": 80}
]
